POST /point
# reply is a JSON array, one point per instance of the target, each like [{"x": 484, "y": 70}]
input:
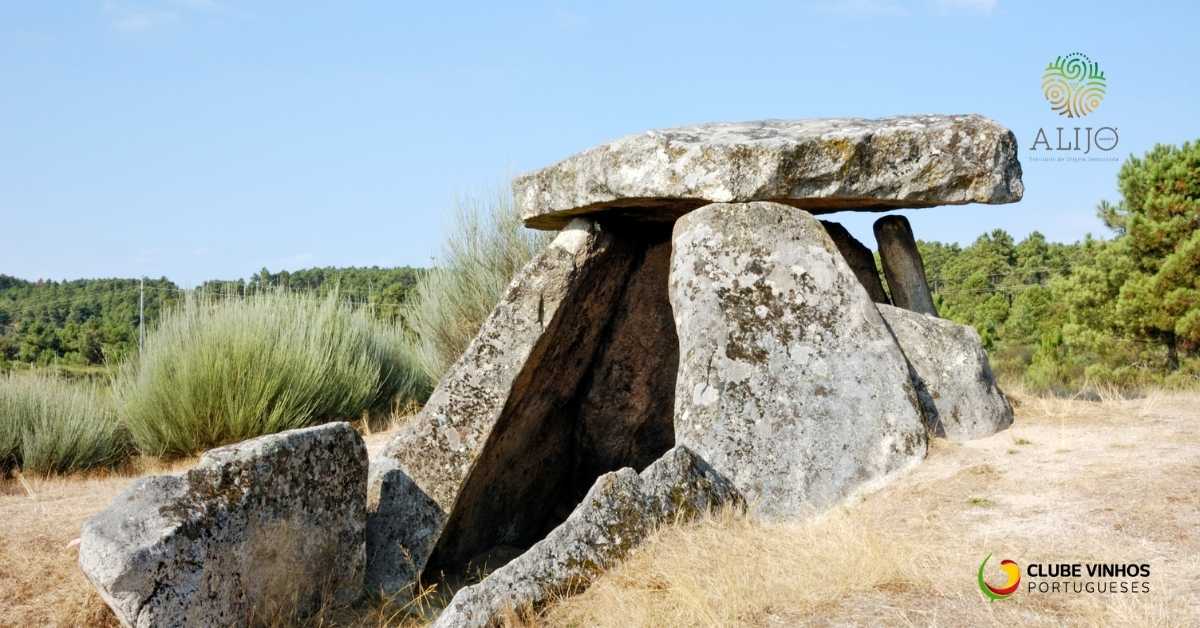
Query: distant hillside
[{"x": 87, "y": 322}]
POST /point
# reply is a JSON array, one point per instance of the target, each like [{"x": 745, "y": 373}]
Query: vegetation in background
[
  {"x": 1123, "y": 312},
  {"x": 486, "y": 247},
  {"x": 384, "y": 290},
  {"x": 93, "y": 322},
  {"x": 81, "y": 322},
  {"x": 224, "y": 370},
  {"x": 50, "y": 425}
]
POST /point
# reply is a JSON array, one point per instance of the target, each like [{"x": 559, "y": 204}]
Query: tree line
[
  {"x": 1122, "y": 310},
  {"x": 93, "y": 322}
]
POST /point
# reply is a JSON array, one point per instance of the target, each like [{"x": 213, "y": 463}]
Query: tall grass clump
[
  {"x": 49, "y": 425},
  {"x": 217, "y": 371},
  {"x": 486, "y": 246}
]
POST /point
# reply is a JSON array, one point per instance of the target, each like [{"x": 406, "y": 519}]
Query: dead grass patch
[{"x": 1095, "y": 481}]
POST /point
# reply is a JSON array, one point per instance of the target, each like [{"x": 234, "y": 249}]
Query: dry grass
[
  {"x": 40, "y": 582},
  {"x": 1087, "y": 482},
  {"x": 1072, "y": 480}
]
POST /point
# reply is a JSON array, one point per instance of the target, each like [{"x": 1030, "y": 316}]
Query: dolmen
[{"x": 693, "y": 338}]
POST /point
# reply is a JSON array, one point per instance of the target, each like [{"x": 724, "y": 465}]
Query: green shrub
[
  {"x": 224, "y": 370},
  {"x": 50, "y": 425},
  {"x": 486, "y": 246}
]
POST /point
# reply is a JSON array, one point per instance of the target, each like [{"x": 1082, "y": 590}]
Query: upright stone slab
[
  {"x": 789, "y": 383},
  {"x": 476, "y": 469},
  {"x": 822, "y": 165},
  {"x": 255, "y": 532},
  {"x": 626, "y": 411},
  {"x": 902, "y": 265},
  {"x": 860, "y": 259},
  {"x": 954, "y": 381}
]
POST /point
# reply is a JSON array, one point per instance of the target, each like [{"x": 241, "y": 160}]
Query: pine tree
[{"x": 1158, "y": 218}]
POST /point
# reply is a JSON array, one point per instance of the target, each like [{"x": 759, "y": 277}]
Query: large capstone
[
  {"x": 564, "y": 382},
  {"x": 789, "y": 383},
  {"x": 954, "y": 381},
  {"x": 266, "y": 529},
  {"x": 621, "y": 509},
  {"x": 821, "y": 165}
]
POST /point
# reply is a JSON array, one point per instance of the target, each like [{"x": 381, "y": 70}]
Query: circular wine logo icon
[{"x": 1073, "y": 85}]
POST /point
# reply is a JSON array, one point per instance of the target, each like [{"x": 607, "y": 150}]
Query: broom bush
[{"x": 218, "y": 371}]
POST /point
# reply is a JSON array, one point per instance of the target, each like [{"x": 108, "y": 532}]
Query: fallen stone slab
[
  {"x": 619, "y": 512},
  {"x": 820, "y": 165},
  {"x": 953, "y": 378},
  {"x": 789, "y": 383},
  {"x": 492, "y": 459},
  {"x": 269, "y": 528}
]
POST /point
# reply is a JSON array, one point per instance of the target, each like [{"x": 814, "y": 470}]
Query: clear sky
[{"x": 208, "y": 138}]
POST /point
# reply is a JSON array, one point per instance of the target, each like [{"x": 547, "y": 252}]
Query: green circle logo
[{"x": 1073, "y": 85}]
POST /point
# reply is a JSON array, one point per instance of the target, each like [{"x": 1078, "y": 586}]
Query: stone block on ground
[
  {"x": 953, "y": 378},
  {"x": 273, "y": 527},
  {"x": 621, "y": 509}
]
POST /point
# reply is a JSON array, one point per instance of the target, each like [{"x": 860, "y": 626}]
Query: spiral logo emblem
[
  {"x": 1073, "y": 85},
  {"x": 1012, "y": 580}
]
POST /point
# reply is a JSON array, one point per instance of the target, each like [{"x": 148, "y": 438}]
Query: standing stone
[
  {"x": 789, "y": 383},
  {"x": 954, "y": 381},
  {"x": 268, "y": 529},
  {"x": 473, "y": 470},
  {"x": 627, "y": 408},
  {"x": 860, "y": 259},
  {"x": 902, "y": 265},
  {"x": 618, "y": 513},
  {"x": 819, "y": 165}
]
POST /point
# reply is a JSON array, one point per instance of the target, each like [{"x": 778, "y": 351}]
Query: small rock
[
  {"x": 269, "y": 528},
  {"x": 622, "y": 509},
  {"x": 954, "y": 381}
]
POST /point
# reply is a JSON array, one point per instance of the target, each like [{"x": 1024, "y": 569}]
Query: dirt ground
[{"x": 1072, "y": 481}]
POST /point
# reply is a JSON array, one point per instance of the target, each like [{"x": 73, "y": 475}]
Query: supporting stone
[
  {"x": 789, "y": 383},
  {"x": 565, "y": 381},
  {"x": 950, "y": 369},
  {"x": 860, "y": 258},
  {"x": 902, "y": 265},
  {"x": 267, "y": 528}
]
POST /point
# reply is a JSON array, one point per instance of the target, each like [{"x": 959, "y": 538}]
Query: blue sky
[{"x": 208, "y": 138}]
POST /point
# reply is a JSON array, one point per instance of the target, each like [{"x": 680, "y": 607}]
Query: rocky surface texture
[
  {"x": 789, "y": 383},
  {"x": 691, "y": 321},
  {"x": 902, "y": 265},
  {"x": 619, "y": 511},
  {"x": 565, "y": 381},
  {"x": 958, "y": 393},
  {"x": 820, "y": 165},
  {"x": 860, "y": 258},
  {"x": 268, "y": 527}
]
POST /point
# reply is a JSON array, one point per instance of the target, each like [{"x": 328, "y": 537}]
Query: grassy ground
[{"x": 1072, "y": 480}]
